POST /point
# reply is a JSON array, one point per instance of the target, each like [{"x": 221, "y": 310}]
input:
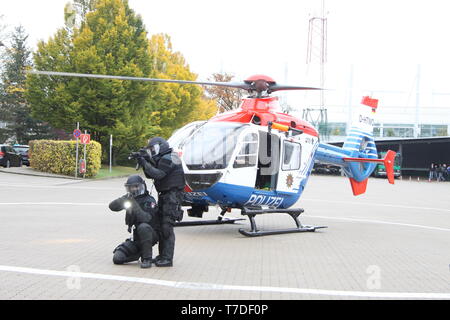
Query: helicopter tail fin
[
  {"x": 360, "y": 144},
  {"x": 360, "y": 136},
  {"x": 358, "y": 156}
]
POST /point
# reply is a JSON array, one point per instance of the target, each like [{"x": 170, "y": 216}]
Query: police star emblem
[{"x": 289, "y": 180}]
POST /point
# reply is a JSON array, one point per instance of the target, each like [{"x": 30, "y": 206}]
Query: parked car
[
  {"x": 23, "y": 151},
  {"x": 9, "y": 157}
]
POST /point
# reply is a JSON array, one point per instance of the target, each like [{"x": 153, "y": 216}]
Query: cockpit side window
[
  {"x": 212, "y": 145},
  {"x": 249, "y": 151}
]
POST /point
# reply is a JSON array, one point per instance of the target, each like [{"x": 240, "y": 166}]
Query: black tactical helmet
[
  {"x": 135, "y": 185},
  {"x": 158, "y": 146}
]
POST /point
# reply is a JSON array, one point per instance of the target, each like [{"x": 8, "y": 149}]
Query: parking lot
[{"x": 57, "y": 237}]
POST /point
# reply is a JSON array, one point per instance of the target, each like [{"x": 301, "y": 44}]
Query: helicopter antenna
[{"x": 317, "y": 53}]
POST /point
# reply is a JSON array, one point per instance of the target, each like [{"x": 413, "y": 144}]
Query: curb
[
  {"x": 46, "y": 175},
  {"x": 40, "y": 175}
]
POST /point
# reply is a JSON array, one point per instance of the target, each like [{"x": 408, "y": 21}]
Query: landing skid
[
  {"x": 207, "y": 222},
  {"x": 220, "y": 220},
  {"x": 294, "y": 213}
]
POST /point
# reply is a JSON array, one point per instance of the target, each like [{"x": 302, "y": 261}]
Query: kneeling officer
[{"x": 142, "y": 220}]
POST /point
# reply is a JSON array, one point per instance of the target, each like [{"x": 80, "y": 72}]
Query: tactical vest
[{"x": 174, "y": 173}]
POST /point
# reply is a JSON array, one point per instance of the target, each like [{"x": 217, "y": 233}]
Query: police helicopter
[{"x": 258, "y": 159}]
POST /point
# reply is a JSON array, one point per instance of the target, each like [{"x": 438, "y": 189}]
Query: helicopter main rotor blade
[
  {"x": 237, "y": 85},
  {"x": 257, "y": 85},
  {"x": 277, "y": 87}
]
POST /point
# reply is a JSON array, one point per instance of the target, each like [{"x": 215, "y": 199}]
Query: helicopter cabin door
[
  {"x": 289, "y": 175},
  {"x": 243, "y": 170},
  {"x": 268, "y": 161}
]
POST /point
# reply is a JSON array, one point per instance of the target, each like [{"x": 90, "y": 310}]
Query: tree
[
  {"x": 206, "y": 109},
  {"x": 174, "y": 105},
  {"x": 14, "y": 109},
  {"x": 111, "y": 40},
  {"x": 3, "y": 134},
  {"x": 75, "y": 12},
  {"x": 2, "y": 31},
  {"x": 84, "y": 6},
  {"x": 227, "y": 98},
  {"x": 390, "y": 132},
  {"x": 441, "y": 132}
]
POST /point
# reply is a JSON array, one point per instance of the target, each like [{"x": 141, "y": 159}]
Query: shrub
[{"x": 59, "y": 156}]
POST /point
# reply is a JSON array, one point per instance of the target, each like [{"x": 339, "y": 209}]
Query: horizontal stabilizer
[
  {"x": 358, "y": 187},
  {"x": 388, "y": 162}
]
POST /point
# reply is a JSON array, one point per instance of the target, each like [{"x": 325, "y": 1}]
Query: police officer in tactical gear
[
  {"x": 166, "y": 170},
  {"x": 142, "y": 220}
]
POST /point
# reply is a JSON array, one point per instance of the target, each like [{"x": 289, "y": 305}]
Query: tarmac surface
[{"x": 57, "y": 236}]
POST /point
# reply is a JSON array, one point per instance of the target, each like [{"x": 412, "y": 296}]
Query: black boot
[
  {"x": 146, "y": 263},
  {"x": 163, "y": 262}
]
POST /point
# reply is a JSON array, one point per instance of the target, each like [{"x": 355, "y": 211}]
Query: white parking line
[
  {"x": 362, "y": 203},
  {"x": 51, "y": 204},
  {"x": 212, "y": 286},
  {"x": 383, "y": 222},
  {"x": 319, "y": 217}
]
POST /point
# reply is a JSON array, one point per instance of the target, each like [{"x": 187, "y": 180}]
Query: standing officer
[
  {"x": 142, "y": 219},
  {"x": 166, "y": 170}
]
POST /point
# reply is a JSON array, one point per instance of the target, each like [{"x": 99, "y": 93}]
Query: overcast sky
[{"x": 384, "y": 40}]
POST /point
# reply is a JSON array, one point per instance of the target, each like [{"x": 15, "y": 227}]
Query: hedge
[{"x": 59, "y": 156}]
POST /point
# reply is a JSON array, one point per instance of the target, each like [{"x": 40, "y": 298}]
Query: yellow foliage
[
  {"x": 59, "y": 156},
  {"x": 206, "y": 109},
  {"x": 14, "y": 89}
]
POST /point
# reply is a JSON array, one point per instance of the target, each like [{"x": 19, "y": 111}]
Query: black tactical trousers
[
  {"x": 144, "y": 238},
  {"x": 169, "y": 204}
]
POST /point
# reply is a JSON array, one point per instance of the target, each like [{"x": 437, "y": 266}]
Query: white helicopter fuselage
[{"x": 237, "y": 165}]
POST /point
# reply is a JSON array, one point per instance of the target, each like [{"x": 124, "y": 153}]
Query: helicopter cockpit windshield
[
  {"x": 179, "y": 136},
  {"x": 212, "y": 146}
]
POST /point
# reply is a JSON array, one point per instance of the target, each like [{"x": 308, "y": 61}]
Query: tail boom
[
  {"x": 388, "y": 162},
  {"x": 358, "y": 156}
]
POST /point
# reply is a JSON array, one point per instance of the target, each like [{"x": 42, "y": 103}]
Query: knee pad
[
  {"x": 125, "y": 252},
  {"x": 119, "y": 257},
  {"x": 144, "y": 232},
  {"x": 144, "y": 228}
]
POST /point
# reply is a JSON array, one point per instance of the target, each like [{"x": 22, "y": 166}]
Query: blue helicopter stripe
[
  {"x": 351, "y": 143},
  {"x": 333, "y": 155},
  {"x": 311, "y": 160},
  {"x": 361, "y": 133},
  {"x": 237, "y": 196},
  {"x": 360, "y": 154},
  {"x": 357, "y": 131},
  {"x": 356, "y": 135},
  {"x": 355, "y": 140}
]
